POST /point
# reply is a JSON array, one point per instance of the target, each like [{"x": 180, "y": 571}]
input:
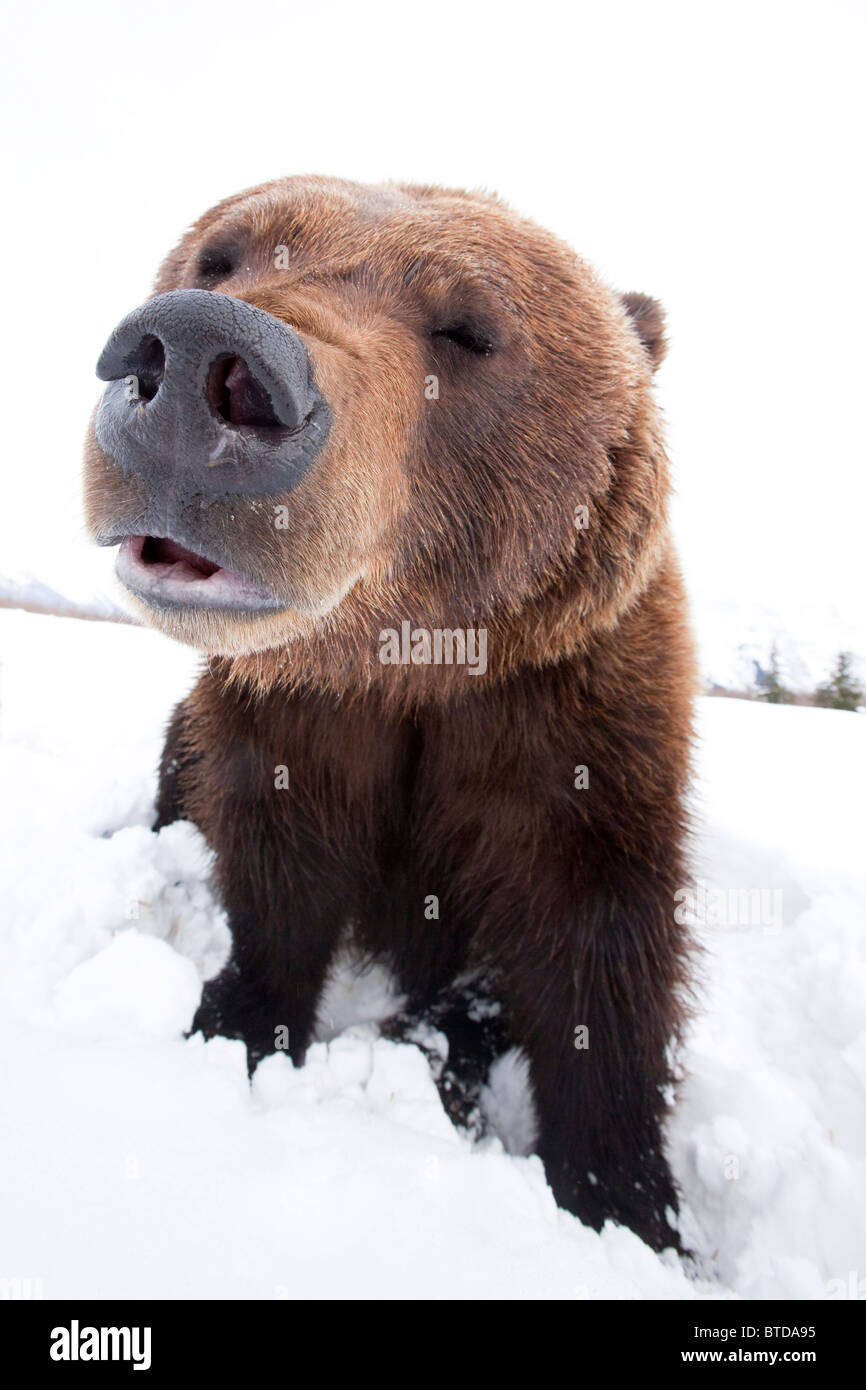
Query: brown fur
[{"x": 408, "y": 781}]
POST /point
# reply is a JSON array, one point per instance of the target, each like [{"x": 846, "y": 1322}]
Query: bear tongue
[{"x": 187, "y": 565}]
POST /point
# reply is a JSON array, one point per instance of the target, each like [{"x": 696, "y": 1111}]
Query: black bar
[{"x": 620, "y": 1337}]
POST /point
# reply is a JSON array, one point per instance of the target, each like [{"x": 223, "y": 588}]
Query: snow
[{"x": 137, "y": 1163}]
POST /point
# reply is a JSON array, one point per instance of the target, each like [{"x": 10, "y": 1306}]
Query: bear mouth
[{"x": 166, "y": 574}]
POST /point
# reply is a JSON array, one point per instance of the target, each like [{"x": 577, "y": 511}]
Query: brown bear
[{"x": 389, "y": 456}]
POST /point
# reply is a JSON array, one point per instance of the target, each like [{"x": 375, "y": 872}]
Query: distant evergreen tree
[
  {"x": 772, "y": 689},
  {"x": 841, "y": 690}
]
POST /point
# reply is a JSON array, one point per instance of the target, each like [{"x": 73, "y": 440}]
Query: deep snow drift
[{"x": 136, "y": 1164}]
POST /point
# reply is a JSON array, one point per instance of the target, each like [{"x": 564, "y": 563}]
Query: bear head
[{"x": 346, "y": 407}]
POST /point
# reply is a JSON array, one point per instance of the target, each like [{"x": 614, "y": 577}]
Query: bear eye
[
  {"x": 215, "y": 263},
  {"x": 471, "y": 337}
]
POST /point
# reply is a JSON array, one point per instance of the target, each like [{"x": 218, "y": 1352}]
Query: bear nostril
[
  {"x": 148, "y": 363},
  {"x": 237, "y": 397}
]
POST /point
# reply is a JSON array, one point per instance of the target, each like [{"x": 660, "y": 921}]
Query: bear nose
[{"x": 209, "y": 396}]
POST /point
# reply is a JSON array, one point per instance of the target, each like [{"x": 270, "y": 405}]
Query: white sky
[{"x": 710, "y": 155}]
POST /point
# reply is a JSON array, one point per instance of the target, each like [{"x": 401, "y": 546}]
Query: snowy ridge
[
  {"x": 33, "y": 596},
  {"x": 736, "y": 639}
]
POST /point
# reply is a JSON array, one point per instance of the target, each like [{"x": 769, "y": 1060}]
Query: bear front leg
[
  {"x": 596, "y": 1006},
  {"x": 266, "y": 995},
  {"x": 295, "y": 795},
  {"x": 285, "y": 923}
]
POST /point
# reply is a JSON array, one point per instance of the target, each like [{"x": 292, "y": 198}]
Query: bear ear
[{"x": 648, "y": 319}]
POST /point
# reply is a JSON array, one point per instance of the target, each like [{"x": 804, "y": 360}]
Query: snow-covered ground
[{"x": 134, "y": 1163}]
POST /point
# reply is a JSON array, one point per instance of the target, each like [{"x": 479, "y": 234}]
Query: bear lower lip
[{"x": 166, "y": 574}]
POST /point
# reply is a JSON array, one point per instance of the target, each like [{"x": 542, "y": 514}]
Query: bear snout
[{"x": 208, "y": 396}]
